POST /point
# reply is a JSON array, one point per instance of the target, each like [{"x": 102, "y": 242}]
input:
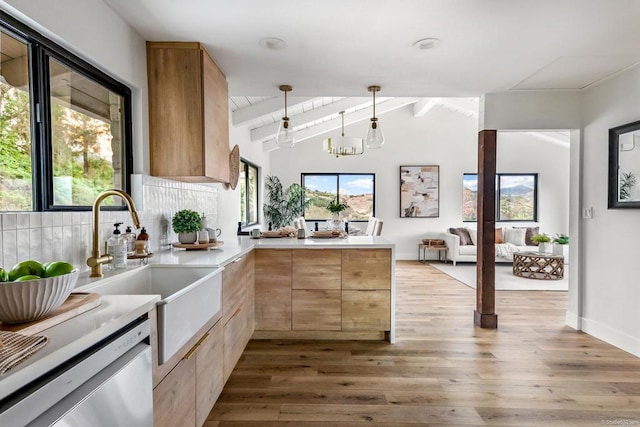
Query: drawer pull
[
  {"x": 196, "y": 345},
  {"x": 237, "y": 259}
]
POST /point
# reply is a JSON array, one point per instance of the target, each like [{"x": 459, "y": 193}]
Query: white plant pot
[
  {"x": 545, "y": 248},
  {"x": 187, "y": 238}
]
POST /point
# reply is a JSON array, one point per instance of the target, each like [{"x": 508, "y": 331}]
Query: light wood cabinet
[
  {"x": 273, "y": 289},
  {"x": 316, "y": 269},
  {"x": 316, "y": 310},
  {"x": 209, "y": 373},
  {"x": 186, "y": 395},
  {"x": 323, "y": 293},
  {"x": 188, "y": 113},
  {"x": 366, "y": 269},
  {"x": 174, "y": 399},
  {"x": 366, "y": 310},
  {"x": 238, "y": 302}
]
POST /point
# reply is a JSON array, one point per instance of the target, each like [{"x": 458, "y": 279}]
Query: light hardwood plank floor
[{"x": 443, "y": 371}]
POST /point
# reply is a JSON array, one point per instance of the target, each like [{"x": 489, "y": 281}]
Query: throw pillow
[
  {"x": 499, "y": 236},
  {"x": 474, "y": 237},
  {"x": 463, "y": 233},
  {"x": 515, "y": 236},
  {"x": 530, "y": 232}
]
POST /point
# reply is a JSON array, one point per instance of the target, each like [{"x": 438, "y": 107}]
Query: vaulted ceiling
[{"x": 333, "y": 49}]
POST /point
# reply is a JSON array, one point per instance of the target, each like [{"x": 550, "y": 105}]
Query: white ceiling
[{"x": 336, "y": 48}]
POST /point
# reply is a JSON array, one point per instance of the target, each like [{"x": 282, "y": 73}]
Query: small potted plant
[
  {"x": 187, "y": 223},
  {"x": 336, "y": 207},
  {"x": 561, "y": 246},
  {"x": 543, "y": 241}
]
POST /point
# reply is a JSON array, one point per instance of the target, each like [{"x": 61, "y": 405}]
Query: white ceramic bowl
[{"x": 33, "y": 299}]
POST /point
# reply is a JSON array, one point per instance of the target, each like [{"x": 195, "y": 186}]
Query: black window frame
[
  {"x": 40, "y": 49},
  {"x": 337, "y": 175},
  {"x": 497, "y": 198},
  {"x": 245, "y": 221}
]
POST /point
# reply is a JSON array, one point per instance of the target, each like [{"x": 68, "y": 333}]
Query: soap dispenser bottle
[
  {"x": 130, "y": 240},
  {"x": 117, "y": 248}
]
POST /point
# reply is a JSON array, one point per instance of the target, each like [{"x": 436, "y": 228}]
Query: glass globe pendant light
[
  {"x": 285, "y": 138},
  {"x": 375, "y": 137}
]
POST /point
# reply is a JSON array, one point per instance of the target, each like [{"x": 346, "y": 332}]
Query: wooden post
[{"x": 484, "y": 315}]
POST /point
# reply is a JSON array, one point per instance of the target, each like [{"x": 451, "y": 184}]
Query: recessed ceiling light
[
  {"x": 428, "y": 43},
  {"x": 273, "y": 43}
]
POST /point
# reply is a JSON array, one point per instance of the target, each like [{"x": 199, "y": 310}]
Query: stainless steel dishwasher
[{"x": 108, "y": 384}]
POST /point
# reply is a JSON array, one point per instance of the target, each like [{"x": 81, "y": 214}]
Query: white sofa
[{"x": 468, "y": 253}]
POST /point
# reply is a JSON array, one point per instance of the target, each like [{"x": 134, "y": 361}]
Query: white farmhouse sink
[{"x": 190, "y": 297}]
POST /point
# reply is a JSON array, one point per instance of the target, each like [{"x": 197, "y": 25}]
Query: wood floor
[{"x": 532, "y": 371}]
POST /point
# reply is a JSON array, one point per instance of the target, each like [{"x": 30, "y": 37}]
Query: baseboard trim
[
  {"x": 617, "y": 338},
  {"x": 572, "y": 320}
]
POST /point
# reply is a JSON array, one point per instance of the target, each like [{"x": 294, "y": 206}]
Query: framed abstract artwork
[{"x": 419, "y": 191}]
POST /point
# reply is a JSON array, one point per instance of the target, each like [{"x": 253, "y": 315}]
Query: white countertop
[
  {"x": 76, "y": 335},
  {"x": 235, "y": 247}
]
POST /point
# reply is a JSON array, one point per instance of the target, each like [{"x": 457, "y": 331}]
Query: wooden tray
[
  {"x": 136, "y": 256},
  {"x": 76, "y": 304},
  {"x": 198, "y": 246}
]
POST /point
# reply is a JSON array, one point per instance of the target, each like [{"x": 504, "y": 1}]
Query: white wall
[
  {"x": 441, "y": 137},
  {"x": 610, "y": 276}
]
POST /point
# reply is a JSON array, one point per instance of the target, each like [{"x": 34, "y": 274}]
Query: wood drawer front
[
  {"x": 209, "y": 373},
  {"x": 317, "y": 269},
  {"x": 237, "y": 332},
  {"x": 273, "y": 289},
  {"x": 234, "y": 287},
  {"x": 316, "y": 310},
  {"x": 174, "y": 398},
  {"x": 366, "y": 269},
  {"x": 366, "y": 310}
]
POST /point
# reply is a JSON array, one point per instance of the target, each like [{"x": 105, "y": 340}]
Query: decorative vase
[
  {"x": 336, "y": 222},
  {"x": 188, "y": 238}
]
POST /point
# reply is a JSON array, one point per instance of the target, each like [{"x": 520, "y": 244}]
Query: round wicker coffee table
[{"x": 535, "y": 265}]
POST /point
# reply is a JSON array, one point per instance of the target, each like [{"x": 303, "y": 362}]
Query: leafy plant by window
[
  {"x": 335, "y": 207},
  {"x": 627, "y": 181},
  {"x": 283, "y": 205},
  {"x": 186, "y": 221}
]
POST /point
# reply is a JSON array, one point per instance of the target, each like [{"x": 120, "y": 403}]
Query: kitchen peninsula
[{"x": 313, "y": 288}]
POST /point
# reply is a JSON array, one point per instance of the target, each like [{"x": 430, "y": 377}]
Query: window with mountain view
[
  {"x": 516, "y": 197},
  {"x": 356, "y": 190},
  {"x": 65, "y": 126}
]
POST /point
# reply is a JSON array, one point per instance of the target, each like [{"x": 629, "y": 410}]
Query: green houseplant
[
  {"x": 186, "y": 223},
  {"x": 335, "y": 207},
  {"x": 283, "y": 205},
  {"x": 561, "y": 239},
  {"x": 543, "y": 241}
]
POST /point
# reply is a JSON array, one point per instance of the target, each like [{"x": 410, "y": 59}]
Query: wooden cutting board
[{"x": 76, "y": 304}]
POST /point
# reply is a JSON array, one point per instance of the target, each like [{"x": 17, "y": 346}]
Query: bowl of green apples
[{"x": 31, "y": 290}]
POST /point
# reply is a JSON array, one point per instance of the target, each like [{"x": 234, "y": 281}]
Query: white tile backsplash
[{"x": 51, "y": 236}]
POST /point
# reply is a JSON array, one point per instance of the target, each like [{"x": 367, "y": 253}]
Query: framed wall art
[{"x": 419, "y": 191}]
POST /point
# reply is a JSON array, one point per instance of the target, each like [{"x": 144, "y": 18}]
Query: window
[
  {"x": 65, "y": 126},
  {"x": 248, "y": 193},
  {"x": 356, "y": 190},
  {"x": 516, "y": 197}
]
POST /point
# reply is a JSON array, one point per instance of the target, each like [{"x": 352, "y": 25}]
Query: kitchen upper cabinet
[{"x": 188, "y": 113}]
